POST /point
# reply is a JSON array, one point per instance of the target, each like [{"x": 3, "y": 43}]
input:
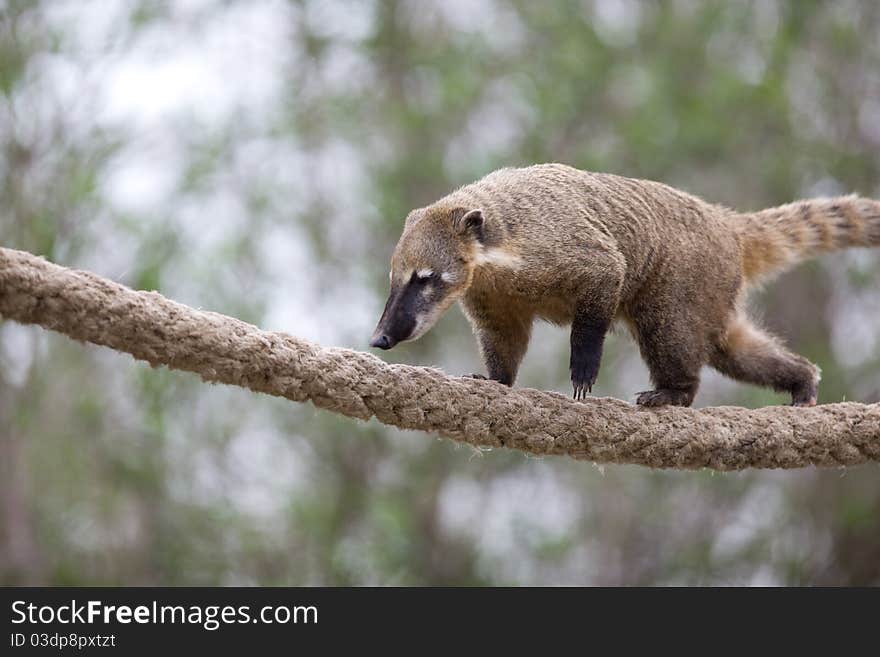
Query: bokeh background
[{"x": 258, "y": 158}]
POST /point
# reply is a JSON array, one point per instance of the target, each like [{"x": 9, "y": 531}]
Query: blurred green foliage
[{"x": 276, "y": 193}]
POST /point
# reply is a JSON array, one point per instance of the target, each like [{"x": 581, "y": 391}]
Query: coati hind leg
[
  {"x": 748, "y": 354},
  {"x": 674, "y": 353}
]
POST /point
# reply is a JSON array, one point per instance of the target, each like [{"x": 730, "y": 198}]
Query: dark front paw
[
  {"x": 665, "y": 397},
  {"x": 584, "y": 370}
]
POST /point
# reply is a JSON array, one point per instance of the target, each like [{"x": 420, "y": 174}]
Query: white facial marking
[
  {"x": 424, "y": 321},
  {"x": 424, "y": 273},
  {"x": 498, "y": 258},
  {"x": 446, "y": 277}
]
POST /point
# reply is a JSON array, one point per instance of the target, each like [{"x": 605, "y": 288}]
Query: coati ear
[
  {"x": 469, "y": 222},
  {"x": 413, "y": 217}
]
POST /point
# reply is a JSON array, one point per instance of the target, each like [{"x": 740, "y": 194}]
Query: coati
[{"x": 572, "y": 247}]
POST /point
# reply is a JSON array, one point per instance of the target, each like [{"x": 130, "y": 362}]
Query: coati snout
[
  {"x": 585, "y": 249},
  {"x": 408, "y": 307},
  {"x": 430, "y": 270}
]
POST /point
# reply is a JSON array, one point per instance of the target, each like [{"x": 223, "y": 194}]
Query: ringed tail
[{"x": 777, "y": 238}]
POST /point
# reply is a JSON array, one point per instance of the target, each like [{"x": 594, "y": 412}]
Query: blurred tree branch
[{"x": 222, "y": 349}]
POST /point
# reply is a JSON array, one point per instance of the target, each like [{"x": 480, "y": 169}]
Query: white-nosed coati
[{"x": 580, "y": 248}]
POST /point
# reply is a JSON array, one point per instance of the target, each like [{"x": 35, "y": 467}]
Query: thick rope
[{"x": 222, "y": 349}]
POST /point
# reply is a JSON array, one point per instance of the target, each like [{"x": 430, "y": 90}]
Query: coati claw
[
  {"x": 582, "y": 387},
  {"x": 581, "y": 390},
  {"x": 584, "y": 371},
  {"x": 481, "y": 377}
]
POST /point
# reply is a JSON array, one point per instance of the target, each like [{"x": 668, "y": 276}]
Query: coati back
[{"x": 584, "y": 249}]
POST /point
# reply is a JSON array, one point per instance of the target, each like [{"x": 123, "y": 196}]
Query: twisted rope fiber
[{"x": 221, "y": 349}]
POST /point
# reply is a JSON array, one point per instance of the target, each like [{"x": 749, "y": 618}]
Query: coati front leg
[
  {"x": 593, "y": 313},
  {"x": 503, "y": 344},
  {"x": 748, "y": 354},
  {"x": 588, "y": 328}
]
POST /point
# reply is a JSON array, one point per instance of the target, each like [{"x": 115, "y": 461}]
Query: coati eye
[{"x": 424, "y": 275}]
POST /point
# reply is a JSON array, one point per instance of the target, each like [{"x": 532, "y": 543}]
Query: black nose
[{"x": 381, "y": 341}]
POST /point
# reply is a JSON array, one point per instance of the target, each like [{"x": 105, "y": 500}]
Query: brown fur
[{"x": 580, "y": 248}]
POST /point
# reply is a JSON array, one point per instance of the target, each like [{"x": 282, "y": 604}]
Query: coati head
[{"x": 432, "y": 267}]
